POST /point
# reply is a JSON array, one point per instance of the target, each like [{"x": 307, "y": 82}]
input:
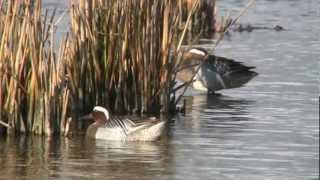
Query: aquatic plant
[
  {"x": 123, "y": 54},
  {"x": 120, "y": 54},
  {"x": 33, "y": 97},
  {"x": 203, "y": 19}
]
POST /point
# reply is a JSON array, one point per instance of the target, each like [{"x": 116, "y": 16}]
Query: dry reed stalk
[
  {"x": 31, "y": 80},
  {"x": 203, "y": 19},
  {"x": 118, "y": 55},
  {"x": 121, "y": 54}
]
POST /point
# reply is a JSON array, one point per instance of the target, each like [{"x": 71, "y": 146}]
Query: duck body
[
  {"x": 215, "y": 73},
  {"x": 122, "y": 128},
  {"x": 145, "y": 131}
]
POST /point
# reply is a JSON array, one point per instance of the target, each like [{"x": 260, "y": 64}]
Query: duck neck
[{"x": 92, "y": 130}]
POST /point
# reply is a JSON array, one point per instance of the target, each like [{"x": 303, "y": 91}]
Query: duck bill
[{"x": 87, "y": 117}]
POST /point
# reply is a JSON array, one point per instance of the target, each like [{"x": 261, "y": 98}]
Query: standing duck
[
  {"x": 122, "y": 129},
  {"x": 215, "y": 73}
]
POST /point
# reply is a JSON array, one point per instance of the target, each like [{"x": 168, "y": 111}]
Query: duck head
[
  {"x": 99, "y": 114},
  {"x": 195, "y": 54},
  {"x": 191, "y": 60}
]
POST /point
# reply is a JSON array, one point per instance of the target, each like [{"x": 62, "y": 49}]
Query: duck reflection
[
  {"x": 216, "y": 111},
  {"x": 126, "y": 160},
  {"x": 222, "y": 102}
]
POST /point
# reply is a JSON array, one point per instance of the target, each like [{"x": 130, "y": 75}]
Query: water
[{"x": 268, "y": 129}]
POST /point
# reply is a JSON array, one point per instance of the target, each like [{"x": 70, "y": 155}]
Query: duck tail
[{"x": 239, "y": 78}]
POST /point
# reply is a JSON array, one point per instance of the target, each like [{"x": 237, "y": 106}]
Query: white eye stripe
[
  {"x": 197, "y": 51},
  {"x": 102, "y": 109}
]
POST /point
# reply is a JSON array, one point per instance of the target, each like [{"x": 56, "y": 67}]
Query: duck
[
  {"x": 213, "y": 73},
  {"x": 122, "y": 128}
]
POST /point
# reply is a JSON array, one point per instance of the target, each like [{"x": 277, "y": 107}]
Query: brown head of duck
[
  {"x": 191, "y": 60},
  {"x": 100, "y": 115},
  {"x": 194, "y": 55}
]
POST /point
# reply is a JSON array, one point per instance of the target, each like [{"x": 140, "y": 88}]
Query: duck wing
[
  {"x": 225, "y": 66},
  {"x": 223, "y": 73},
  {"x": 124, "y": 125},
  {"x": 127, "y": 126}
]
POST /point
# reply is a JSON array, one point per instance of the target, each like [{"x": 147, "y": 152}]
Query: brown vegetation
[{"x": 119, "y": 54}]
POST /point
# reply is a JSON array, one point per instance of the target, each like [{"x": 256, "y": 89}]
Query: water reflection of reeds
[{"x": 44, "y": 158}]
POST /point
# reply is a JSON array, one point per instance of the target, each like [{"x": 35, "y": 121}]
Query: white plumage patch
[
  {"x": 197, "y": 51},
  {"x": 199, "y": 86},
  {"x": 102, "y": 109}
]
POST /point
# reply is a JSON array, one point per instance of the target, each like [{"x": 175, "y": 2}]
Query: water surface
[{"x": 268, "y": 129}]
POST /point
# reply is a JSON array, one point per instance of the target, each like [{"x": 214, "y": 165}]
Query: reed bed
[
  {"x": 120, "y": 54},
  {"x": 32, "y": 95},
  {"x": 203, "y": 19},
  {"x": 123, "y": 55}
]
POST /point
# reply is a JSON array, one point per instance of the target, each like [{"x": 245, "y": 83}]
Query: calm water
[{"x": 266, "y": 130}]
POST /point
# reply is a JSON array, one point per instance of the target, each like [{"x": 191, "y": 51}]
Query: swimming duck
[
  {"x": 215, "y": 73},
  {"x": 122, "y": 129}
]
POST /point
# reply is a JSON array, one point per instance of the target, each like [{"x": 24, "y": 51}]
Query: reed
[
  {"x": 32, "y": 95},
  {"x": 121, "y": 54},
  {"x": 203, "y": 20}
]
